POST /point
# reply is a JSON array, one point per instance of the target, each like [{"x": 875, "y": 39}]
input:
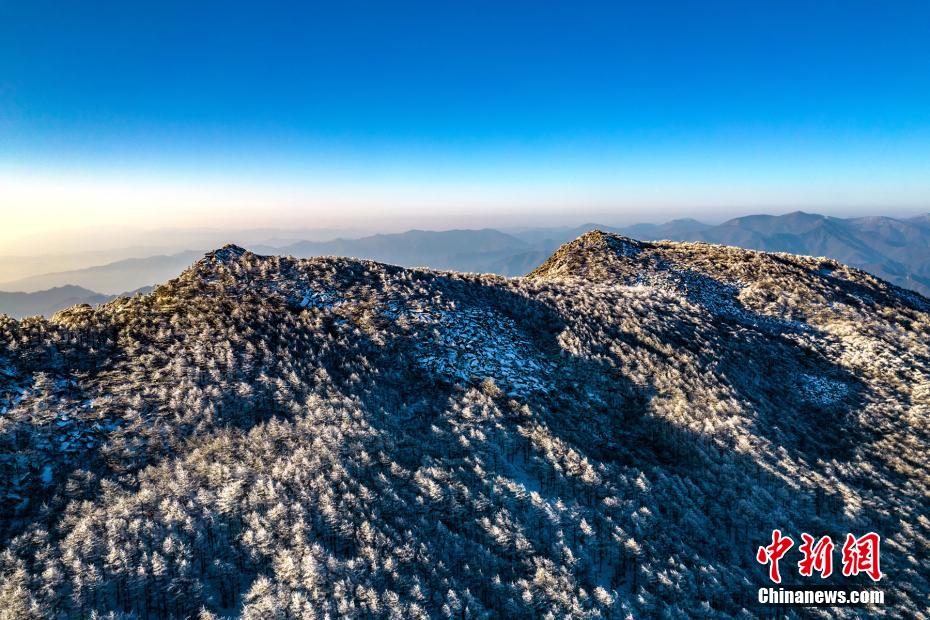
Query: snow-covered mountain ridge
[{"x": 612, "y": 435}]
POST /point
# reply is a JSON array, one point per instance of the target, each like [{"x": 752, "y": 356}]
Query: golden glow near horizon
[{"x": 34, "y": 203}]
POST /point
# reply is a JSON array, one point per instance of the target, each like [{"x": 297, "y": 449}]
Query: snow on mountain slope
[{"x": 613, "y": 435}]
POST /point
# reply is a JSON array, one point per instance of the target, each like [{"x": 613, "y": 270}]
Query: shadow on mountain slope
[
  {"x": 728, "y": 499},
  {"x": 513, "y": 444}
]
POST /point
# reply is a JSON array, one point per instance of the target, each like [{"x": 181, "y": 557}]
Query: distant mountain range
[
  {"x": 111, "y": 278},
  {"x": 895, "y": 249},
  {"x": 47, "y": 303},
  {"x": 485, "y": 250}
]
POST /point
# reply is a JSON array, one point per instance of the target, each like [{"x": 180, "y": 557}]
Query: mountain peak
[
  {"x": 227, "y": 254},
  {"x": 709, "y": 274},
  {"x": 592, "y": 256}
]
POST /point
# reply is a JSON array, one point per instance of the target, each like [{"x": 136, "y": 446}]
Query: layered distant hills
[
  {"x": 897, "y": 250},
  {"x": 47, "y": 303},
  {"x": 613, "y": 435},
  {"x": 110, "y": 278}
]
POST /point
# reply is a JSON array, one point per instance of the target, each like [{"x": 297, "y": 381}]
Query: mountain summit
[
  {"x": 596, "y": 255},
  {"x": 614, "y": 434},
  {"x": 228, "y": 253}
]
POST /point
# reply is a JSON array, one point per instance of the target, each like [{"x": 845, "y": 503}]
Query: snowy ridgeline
[
  {"x": 468, "y": 344},
  {"x": 314, "y": 438}
]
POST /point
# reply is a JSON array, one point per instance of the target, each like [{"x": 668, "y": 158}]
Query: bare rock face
[{"x": 614, "y": 434}]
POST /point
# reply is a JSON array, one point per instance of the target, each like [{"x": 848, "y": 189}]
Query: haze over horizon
[
  {"x": 383, "y": 117},
  {"x": 116, "y": 241}
]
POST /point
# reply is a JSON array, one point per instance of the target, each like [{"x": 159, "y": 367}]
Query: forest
[{"x": 610, "y": 436}]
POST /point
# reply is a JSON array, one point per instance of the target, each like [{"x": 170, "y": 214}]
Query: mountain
[
  {"x": 19, "y": 305},
  {"x": 52, "y": 252},
  {"x": 14, "y": 268},
  {"x": 47, "y": 303},
  {"x": 111, "y": 278},
  {"x": 459, "y": 250},
  {"x": 559, "y": 236},
  {"x": 613, "y": 435},
  {"x": 897, "y": 250}
]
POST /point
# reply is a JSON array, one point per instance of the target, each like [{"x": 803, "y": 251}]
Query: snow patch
[
  {"x": 320, "y": 299},
  {"x": 476, "y": 343},
  {"x": 718, "y": 298},
  {"x": 822, "y": 390}
]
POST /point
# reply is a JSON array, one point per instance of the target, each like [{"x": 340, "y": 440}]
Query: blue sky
[{"x": 276, "y": 111}]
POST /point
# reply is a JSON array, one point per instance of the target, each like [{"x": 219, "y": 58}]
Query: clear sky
[{"x": 335, "y": 113}]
